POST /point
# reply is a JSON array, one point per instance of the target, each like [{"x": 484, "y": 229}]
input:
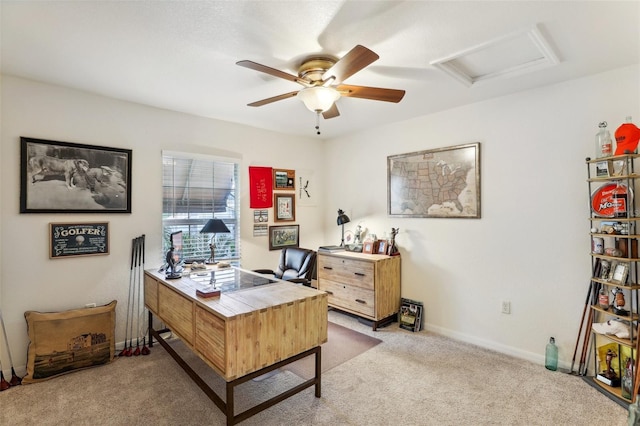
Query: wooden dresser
[{"x": 367, "y": 285}]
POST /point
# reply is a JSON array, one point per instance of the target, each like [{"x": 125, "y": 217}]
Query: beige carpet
[
  {"x": 342, "y": 344},
  {"x": 409, "y": 378}
]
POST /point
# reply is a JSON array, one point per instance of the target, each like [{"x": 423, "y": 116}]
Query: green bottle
[{"x": 551, "y": 355}]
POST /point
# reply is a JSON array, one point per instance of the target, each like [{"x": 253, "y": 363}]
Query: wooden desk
[{"x": 255, "y": 326}]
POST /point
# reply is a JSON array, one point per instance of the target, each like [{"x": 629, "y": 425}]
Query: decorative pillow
[{"x": 61, "y": 342}]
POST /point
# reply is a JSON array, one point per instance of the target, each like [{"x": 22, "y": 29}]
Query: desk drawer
[
  {"x": 350, "y": 297},
  {"x": 177, "y": 311},
  {"x": 358, "y": 273}
]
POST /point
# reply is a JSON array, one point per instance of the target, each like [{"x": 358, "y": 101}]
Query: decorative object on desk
[
  {"x": 285, "y": 207},
  {"x": 284, "y": 236},
  {"x": 356, "y": 248},
  {"x": 260, "y": 187},
  {"x": 381, "y": 247},
  {"x": 208, "y": 292},
  {"x": 173, "y": 258},
  {"x": 284, "y": 179},
  {"x": 451, "y": 176},
  {"x": 393, "y": 249},
  {"x": 358, "y": 234},
  {"x": 342, "y": 219},
  {"x": 64, "y": 177},
  {"x": 62, "y": 342},
  {"x": 78, "y": 239},
  {"x": 213, "y": 226}
]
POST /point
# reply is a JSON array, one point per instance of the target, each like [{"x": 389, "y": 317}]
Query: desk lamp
[
  {"x": 213, "y": 226},
  {"x": 342, "y": 219}
]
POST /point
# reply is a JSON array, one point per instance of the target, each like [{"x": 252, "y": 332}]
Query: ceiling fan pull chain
[{"x": 318, "y": 121}]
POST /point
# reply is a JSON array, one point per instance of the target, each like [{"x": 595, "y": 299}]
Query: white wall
[
  {"x": 29, "y": 280},
  {"x": 531, "y": 245}
]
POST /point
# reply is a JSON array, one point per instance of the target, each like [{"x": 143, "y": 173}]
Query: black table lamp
[
  {"x": 213, "y": 226},
  {"x": 342, "y": 219}
]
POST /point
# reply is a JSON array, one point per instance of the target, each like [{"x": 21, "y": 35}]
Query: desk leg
[
  {"x": 230, "y": 409},
  {"x": 318, "y": 371}
]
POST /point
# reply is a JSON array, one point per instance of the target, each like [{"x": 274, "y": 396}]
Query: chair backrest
[{"x": 296, "y": 263}]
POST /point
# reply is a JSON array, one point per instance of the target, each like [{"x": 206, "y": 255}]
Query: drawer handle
[
  {"x": 361, "y": 301},
  {"x": 328, "y": 267},
  {"x": 360, "y": 274},
  {"x": 328, "y": 292}
]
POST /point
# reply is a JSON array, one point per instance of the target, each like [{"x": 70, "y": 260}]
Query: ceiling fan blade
[
  {"x": 273, "y": 99},
  {"x": 355, "y": 60},
  {"x": 274, "y": 72},
  {"x": 373, "y": 93},
  {"x": 331, "y": 112}
]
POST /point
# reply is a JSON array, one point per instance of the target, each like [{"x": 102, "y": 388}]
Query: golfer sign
[{"x": 78, "y": 239}]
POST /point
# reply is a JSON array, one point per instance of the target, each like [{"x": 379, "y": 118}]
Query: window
[{"x": 195, "y": 189}]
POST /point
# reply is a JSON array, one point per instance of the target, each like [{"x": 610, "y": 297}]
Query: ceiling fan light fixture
[{"x": 318, "y": 98}]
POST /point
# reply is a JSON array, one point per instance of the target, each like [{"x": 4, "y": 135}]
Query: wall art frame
[
  {"x": 283, "y": 236},
  {"x": 284, "y": 179},
  {"x": 66, "y": 177},
  {"x": 78, "y": 239},
  {"x": 284, "y": 207},
  {"x": 435, "y": 183}
]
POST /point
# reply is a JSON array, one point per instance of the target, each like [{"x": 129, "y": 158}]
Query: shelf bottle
[
  {"x": 551, "y": 355},
  {"x": 604, "y": 144}
]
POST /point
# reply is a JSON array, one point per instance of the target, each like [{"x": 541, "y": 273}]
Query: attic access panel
[{"x": 513, "y": 54}]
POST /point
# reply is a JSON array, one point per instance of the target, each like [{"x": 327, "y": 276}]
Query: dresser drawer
[
  {"x": 359, "y": 273},
  {"x": 350, "y": 297}
]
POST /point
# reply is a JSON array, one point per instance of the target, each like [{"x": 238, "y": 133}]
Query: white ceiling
[{"x": 181, "y": 55}]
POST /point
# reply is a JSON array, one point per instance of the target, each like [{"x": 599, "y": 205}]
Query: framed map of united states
[{"x": 442, "y": 182}]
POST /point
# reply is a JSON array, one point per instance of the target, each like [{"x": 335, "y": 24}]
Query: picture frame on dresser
[
  {"x": 368, "y": 247},
  {"x": 382, "y": 246}
]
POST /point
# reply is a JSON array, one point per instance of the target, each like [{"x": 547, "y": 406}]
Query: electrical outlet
[
  {"x": 506, "y": 307},
  {"x": 90, "y": 305}
]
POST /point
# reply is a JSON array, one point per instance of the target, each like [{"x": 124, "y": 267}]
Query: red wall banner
[{"x": 260, "y": 187}]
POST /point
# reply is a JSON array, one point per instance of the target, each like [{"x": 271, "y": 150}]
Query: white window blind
[{"x": 195, "y": 189}]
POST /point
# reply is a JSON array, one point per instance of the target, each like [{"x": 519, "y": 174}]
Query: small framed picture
[
  {"x": 382, "y": 247},
  {"x": 284, "y": 236},
  {"x": 602, "y": 168},
  {"x": 619, "y": 273},
  {"x": 284, "y": 179},
  {"x": 368, "y": 247},
  {"x": 285, "y": 207}
]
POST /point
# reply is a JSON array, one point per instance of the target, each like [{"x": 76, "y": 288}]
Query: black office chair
[{"x": 297, "y": 265}]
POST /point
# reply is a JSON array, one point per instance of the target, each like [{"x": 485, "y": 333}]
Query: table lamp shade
[{"x": 213, "y": 226}]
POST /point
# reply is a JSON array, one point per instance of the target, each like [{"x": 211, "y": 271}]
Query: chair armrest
[
  {"x": 302, "y": 281},
  {"x": 264, "y": 271}
]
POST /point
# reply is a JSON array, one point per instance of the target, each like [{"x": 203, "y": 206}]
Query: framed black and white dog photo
[{"x": 65, "y": 177}]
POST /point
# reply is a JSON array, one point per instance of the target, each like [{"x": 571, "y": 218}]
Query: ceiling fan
[{"x": 322, "y": 78}]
